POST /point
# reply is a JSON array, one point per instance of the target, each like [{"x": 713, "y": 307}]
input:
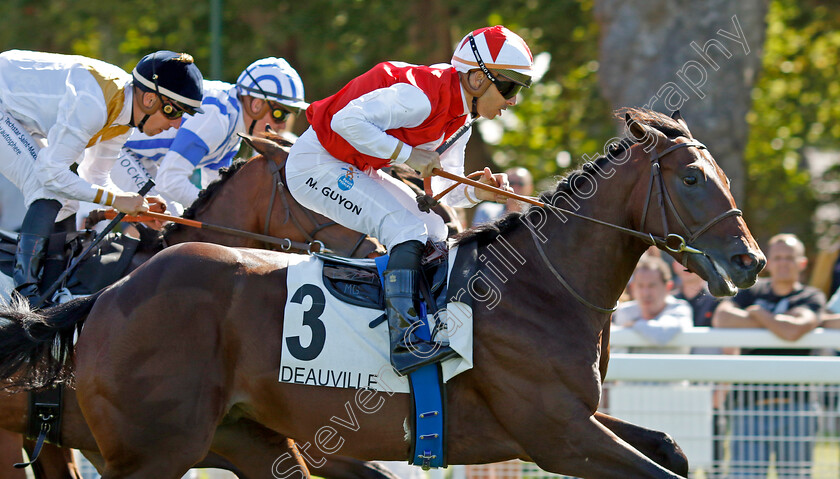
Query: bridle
[
  {"x": 681, "y": 244},
  {"x": 671, "y": 242},
  {"x": 277, "y": 171}
]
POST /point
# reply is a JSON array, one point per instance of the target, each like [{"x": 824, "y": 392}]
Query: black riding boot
[
  {"x": 408, "y": 350},
  {"x": 29, "y": 258},
  {"x": 32, "y": 246}
]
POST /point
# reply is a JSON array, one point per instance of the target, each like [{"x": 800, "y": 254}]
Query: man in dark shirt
[{"x": 770, "y": 417}]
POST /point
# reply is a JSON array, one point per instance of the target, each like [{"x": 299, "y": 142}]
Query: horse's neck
[
  {"x": 600, "y": 259},
  {"x": 595, "y": 260},
  {"x": 230, "y": 206}
]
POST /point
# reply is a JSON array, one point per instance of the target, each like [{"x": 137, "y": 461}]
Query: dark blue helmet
[{"x": 172, "y": 75}]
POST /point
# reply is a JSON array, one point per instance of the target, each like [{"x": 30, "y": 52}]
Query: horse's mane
[{"x": 486, "y": 233}]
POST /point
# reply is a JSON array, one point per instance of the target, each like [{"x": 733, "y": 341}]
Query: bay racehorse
[
  {"x": 249, "y": 196},
  {"x": 190, "y": 343}
]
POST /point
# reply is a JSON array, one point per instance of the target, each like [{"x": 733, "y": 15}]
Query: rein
[
  {"x": 285, "y": 244},
  {"x": 671, "y": 242}
]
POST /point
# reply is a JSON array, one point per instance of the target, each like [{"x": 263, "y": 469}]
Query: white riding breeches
[{"x": 369, "y": 201}]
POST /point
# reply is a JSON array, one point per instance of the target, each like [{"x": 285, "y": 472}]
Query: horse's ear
[
  {"x": 636, "y": 129},
  {"x": 679, "y": 119},
  {"x": 643, "y": 133},
  {"x": 248, "y": 139},
  {"x": 270, "y": 149}
]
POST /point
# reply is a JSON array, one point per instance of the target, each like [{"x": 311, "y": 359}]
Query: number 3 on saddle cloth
[{"x": 335, "y": 333}]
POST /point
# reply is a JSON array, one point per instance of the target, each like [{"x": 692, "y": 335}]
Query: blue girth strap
[{"x": 428, "y": 394}]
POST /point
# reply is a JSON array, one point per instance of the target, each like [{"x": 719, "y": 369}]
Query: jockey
[
  {"x": 266, "y": 96},
  {"x": 57, "y": 110},
  {"x": 399, "y": 113}
]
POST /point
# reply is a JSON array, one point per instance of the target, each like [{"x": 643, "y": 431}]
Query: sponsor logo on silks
[{"x": 345, "y": 181}]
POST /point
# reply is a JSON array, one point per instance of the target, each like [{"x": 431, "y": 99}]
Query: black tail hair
[{"x": 36, "y": 347}]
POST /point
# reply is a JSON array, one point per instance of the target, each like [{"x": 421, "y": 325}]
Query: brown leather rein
[
  {"x": 671, "y": 242},
  {"x": 285, "y": 244}
]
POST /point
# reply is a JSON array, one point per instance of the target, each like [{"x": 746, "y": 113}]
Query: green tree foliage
[
  {"x": 562, "y": 118},
  {"x": 331, "y": 41},
  {"x": 796, "y": 104}
]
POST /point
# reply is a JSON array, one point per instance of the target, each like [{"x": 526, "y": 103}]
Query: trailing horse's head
[{"x": 688, "y": 202}]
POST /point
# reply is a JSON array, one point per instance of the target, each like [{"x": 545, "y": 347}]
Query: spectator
[
  {"x": 771, "y": 418},
  {"x": 693, "y": 289},
  {"x": 653, "y": 313},
  {"x": 831, "y": 317},
  {"x": 522, "y": 183}
]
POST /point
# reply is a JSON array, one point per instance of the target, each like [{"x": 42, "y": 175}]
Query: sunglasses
[
  {"x": 279, "y": 114},
  {"x": 508, "y": 89},
  {"x": 171, "y": 110}
]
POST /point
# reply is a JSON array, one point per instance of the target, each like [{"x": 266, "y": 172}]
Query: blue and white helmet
[{"x": 273, "y": 79}]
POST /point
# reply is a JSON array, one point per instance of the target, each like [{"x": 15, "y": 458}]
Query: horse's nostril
[{"x": 745, "y": 260}]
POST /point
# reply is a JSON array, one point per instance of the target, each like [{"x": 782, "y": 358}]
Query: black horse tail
[{"x": 36, "y": 347}]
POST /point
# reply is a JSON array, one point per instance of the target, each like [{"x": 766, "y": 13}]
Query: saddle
[
  {"x": 357, "y": 281},
  {"x": 104, "y": 266}
]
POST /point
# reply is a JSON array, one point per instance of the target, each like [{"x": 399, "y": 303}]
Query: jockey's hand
[
  {"x": 156, "y": 204},
  {"x": 499, "y": 180},
  {"x": 423, "y": 161},
  {"x": 130, "y": 203}
]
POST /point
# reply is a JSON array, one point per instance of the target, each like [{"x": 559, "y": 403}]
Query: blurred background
[{"x": 755, "y": 79}]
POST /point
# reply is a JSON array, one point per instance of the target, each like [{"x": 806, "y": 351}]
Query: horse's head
[{"x": 688, "y": 198}]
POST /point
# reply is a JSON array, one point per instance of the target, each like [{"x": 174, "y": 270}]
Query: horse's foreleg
[
  {"x": 583, "y": 447},
  {"x": 53, "y": 462},
  {"x": 658, "y": 446},
  {"x": 11, "y": 452},
  {"x": 340, "y": 467},
  {"x": 604, "y": 360},
  {"x": 257, "y": 451}
]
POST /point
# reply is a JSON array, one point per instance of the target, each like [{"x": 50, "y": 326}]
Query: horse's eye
[{"x": 690, "y": 180}]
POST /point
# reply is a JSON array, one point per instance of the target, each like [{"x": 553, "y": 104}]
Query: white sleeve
[
  {"x": 208, "y": 176},
  {"x": 82, "y": 113},
  {"x": 452, "y": 160},
  {"x": 626, "y": 314},
  {"x": 173, "y": 179},
  {"x": 99, "y": 160},
  {"x": 363, "y": 121},
  {"x": 676, "y": 317},
  {"x": 833, "y": 304}
]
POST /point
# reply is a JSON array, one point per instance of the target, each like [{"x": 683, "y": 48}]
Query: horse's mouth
[{"x": 715, "y": 274}]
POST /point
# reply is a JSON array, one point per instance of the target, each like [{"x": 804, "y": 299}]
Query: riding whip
[
  {"x": 477, "y": 184},
  {"x": 75, "y": 263},
  {"x": 425, "y": 202}
]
